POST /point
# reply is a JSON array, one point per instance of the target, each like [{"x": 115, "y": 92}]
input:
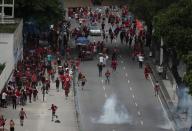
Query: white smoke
[
  {"x": 114, "y": 113},
  {"x": 167, "y": 123}
]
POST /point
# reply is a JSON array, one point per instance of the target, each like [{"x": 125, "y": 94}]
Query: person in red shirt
[
  {"x": 156, "y": 88},
  {"x": 67, "y": 84},
  {"x": 114, "y": 65},
  {"x": 107, "y": 75},
  {"x": 146, "y": 71},
  {"x": 53, "y": 110}
]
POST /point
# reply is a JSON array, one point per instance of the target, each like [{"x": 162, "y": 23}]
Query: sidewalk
[
  {"x": 39, "y": 117},
  {"x": 175, "y": 99}
]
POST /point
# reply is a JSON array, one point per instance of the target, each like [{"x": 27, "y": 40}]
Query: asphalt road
[{"x": 128, "y": 103}]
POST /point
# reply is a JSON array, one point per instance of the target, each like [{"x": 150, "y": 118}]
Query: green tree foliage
[
  {"x": 175, "y": 26},
  {"x": 44, "y": 11},
  {"x": 147, "y": 9}
]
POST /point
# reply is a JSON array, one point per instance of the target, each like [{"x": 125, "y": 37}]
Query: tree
[
  {"x": 46, "y": 12},
  {"x": 146, "y": 10},
  {"x": 175, "y": 26}
]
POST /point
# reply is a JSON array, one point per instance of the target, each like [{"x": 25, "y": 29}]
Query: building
[{"x": 11, "y": 47}]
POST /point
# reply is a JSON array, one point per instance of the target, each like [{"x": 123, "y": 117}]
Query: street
[{"x": 127, "y": 103}]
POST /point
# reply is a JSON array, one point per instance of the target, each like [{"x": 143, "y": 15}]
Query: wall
[{"x": 11, "y": 50}]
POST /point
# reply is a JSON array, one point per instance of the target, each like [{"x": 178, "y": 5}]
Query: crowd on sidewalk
[{"x": 32, "y": 76}]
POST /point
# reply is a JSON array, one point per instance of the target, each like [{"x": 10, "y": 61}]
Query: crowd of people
[{"x": 41, "y": 65}]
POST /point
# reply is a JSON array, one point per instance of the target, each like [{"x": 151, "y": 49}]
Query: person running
[
  {"x": 114, "y": 65},
  {"x": 57, "y": 84},
  {"x": 22, "y": 116},
  {"x": 53, "y": 110},
  {"x": 156, "y": 88},
  {"x": 79, "y": 78},
  {"x": 146, "y": 71},
  {"x": 12, "y": 125},
  {"x": 107, "y": 75},
  {"x": 2, "y": 121},
  {"x": 83, "y": 80}
]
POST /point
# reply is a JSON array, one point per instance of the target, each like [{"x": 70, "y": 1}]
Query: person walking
[
  {"x": 83, "y": 80},
  {"x": 12, "y": 125},
  {"x": 14, "y": 101},
  {"x": 107, "y": 75},
  {"x": 35, "y": 92},
  {"x": 4, "y": 100},
  {"x": 57, "y": 84},
  {"x": 100, "y": 67},
  {"x": 22, "y": 116},
  {"x": 43, "y": 89},
  {"x": 156, "y": 88},
  {"x": 140, "y": 59}
]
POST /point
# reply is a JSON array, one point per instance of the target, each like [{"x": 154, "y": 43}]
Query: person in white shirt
[
  {"x": 101, "y": 59},
  {"x": 140, "y": 59},
  {"x": 105, "y": 58},
  {"x": 4, "y": 95}
]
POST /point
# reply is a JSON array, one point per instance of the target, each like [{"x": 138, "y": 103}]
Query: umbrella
[{"x": 82, "y": 41}]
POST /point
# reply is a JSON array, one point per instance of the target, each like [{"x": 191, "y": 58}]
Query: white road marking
[
  {"x": 162, "y": 106},
  {"x": 126, "y": 74},
  {"x": 128, "y": 81},
  {"x": 136, "y": 104},
  {"x": 105, "y": 95},
  {"x": 113, "y": 129},
  {"x": 131, "y": 88},
  {"x": 102, "y": 81},
  {"x": 139, "y": 113},
  {"x": 141, "y": 122},
  {"x": 122, "y": 62},
  {"x": 133, "y": 96},
  {"x": 104, "y": 87},
  {"x": 124, "y": 67}
]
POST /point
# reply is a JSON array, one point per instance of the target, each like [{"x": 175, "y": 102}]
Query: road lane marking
[
  {"x": 104, "y": 87},
  {"x": 141, "y": 122},
  {"x": 130, "y": 88},
  {"x": 163, "y": 106},
  {"x": 124, "y": 67},
  {"x": 122, "y": 62},
  {"x": 136, "y": 104},
  {"x": 105, "y": 95},
  {"x": 128, "y": 81},
  {"x": 113, "y": 129},
  {"x": 126, "y": 74},
  {"x": 102, "y": 81},
  {"x": 139, "y": 113}
]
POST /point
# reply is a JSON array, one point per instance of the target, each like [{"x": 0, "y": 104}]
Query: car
[{"x": 94, "y": 30}]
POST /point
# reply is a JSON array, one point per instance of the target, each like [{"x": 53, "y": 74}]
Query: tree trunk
[
  {"x": 175, "y": 63},
  {"x": 149, "y": 34}
]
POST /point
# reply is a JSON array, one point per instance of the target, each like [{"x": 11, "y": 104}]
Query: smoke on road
[
  {"x": 167, "y": 125},
  {"x": 114, "y": 113}
]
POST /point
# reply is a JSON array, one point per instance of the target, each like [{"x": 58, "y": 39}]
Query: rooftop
[{"x": 8, "y": 25}]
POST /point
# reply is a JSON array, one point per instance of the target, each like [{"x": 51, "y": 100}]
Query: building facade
[{"x": 11, "y": 50}]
